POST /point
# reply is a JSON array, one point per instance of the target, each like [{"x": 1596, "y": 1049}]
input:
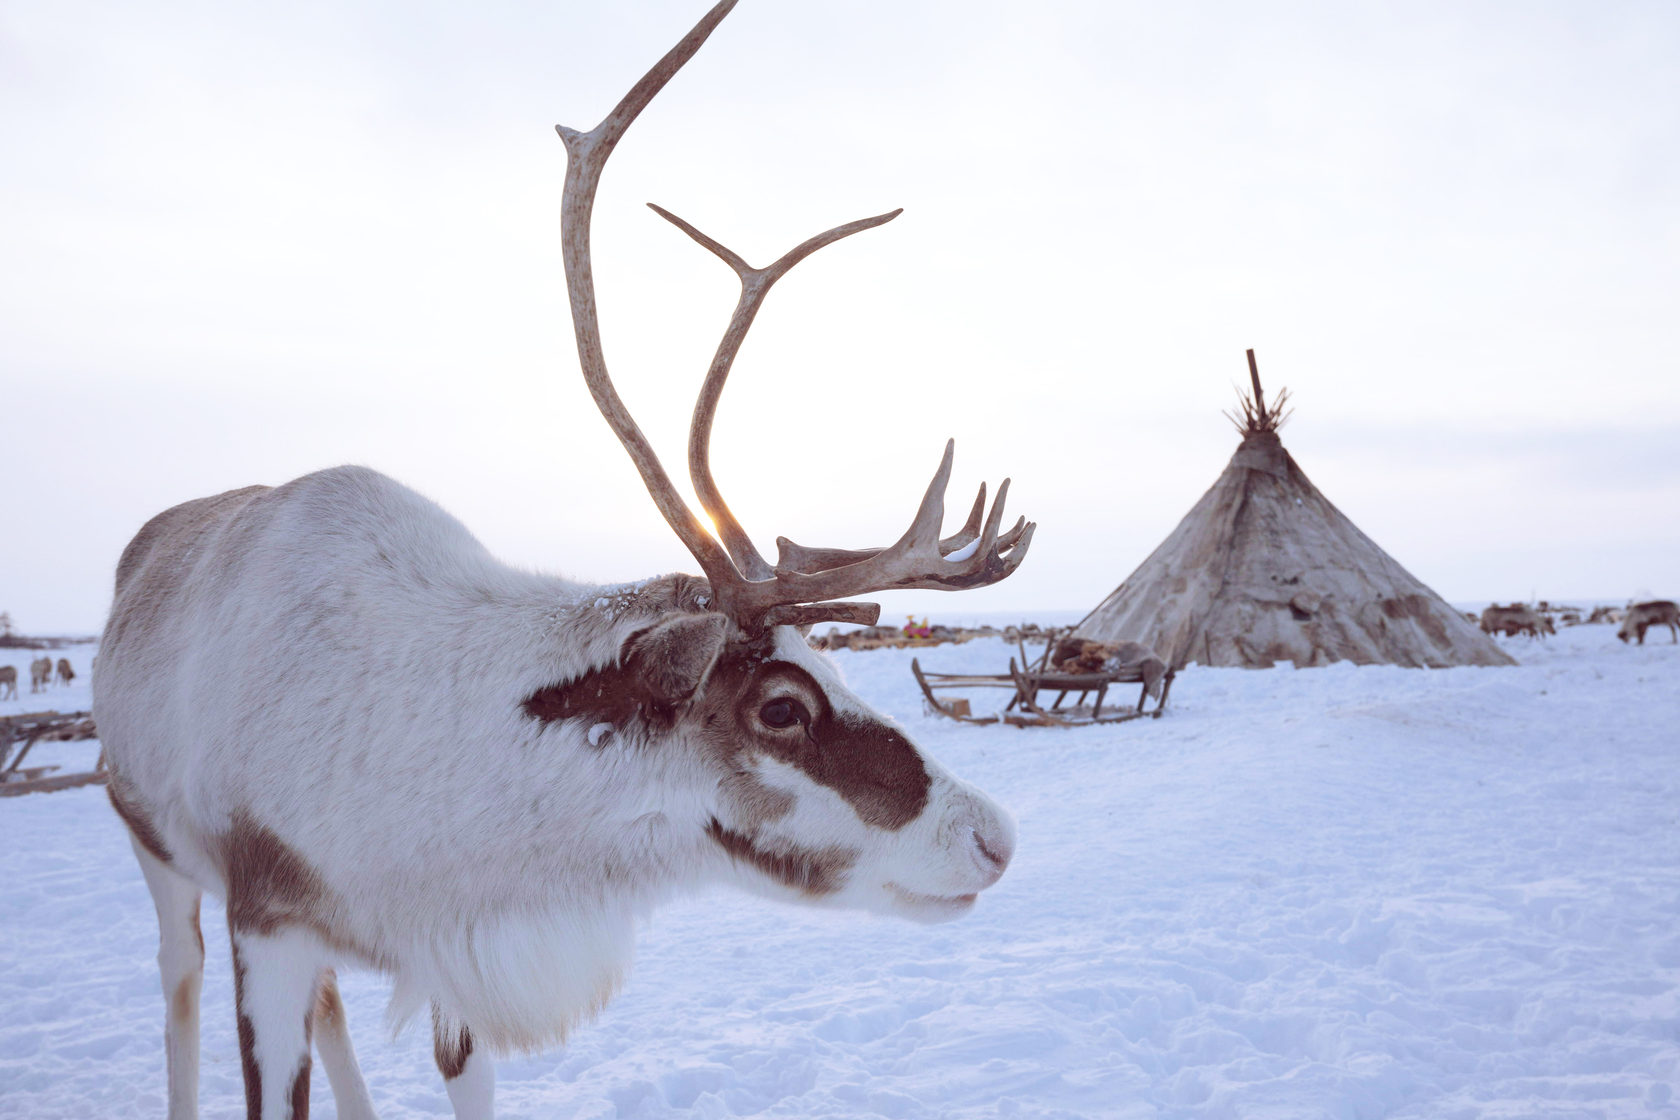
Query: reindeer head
[
  {"x": 771, "y": 767},
  {"x": 806, "y": 788}
]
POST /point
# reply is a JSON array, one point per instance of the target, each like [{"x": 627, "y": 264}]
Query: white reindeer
[
  {"x": 490, "y": 843},
  {"x": 40, "y": 674}
]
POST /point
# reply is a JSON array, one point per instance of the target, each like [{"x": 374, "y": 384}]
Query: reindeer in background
[
  {"x": 490, "y": 843},
  {"x": 1641, "y": 617}
]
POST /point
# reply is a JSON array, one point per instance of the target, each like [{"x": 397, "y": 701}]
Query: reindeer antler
[
  {"x": 744, "y": 585},
  {"x": 755, "y": 285},
  {"x": 586, "y": 157}
]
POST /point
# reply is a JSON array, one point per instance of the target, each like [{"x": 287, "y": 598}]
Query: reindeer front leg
[
  {"x": 274, "y": 984},
  {"x": 338, "y": 1057},
  {"x": 181, "y": 967},
  {"x": 469, "y": 1075}
]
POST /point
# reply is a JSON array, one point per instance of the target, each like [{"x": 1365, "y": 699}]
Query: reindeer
[
  {"x": 1517, "y": 618},
  {"x": 65, "y": 673},
  {"x": 8, "y": 682},
  {"x": 490, "y": 844},
  {"x": 1642, "y": 616},
  {"x": 40, "y": 674}
]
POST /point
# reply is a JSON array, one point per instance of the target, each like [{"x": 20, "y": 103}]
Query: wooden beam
[
  {"x": 47, "y": 785},
  {"x": 1259, "y": 397}
]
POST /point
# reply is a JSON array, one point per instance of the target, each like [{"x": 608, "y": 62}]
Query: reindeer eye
[{"x": 783, "y": 712}]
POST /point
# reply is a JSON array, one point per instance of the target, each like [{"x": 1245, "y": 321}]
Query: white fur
[{"x": 344, "y": 662}]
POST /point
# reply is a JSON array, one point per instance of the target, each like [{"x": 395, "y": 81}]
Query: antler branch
[
  {"x": 918, "y": 560},
  {"x": 799, "y": 558},
  {"x": 744, "y": 585},
  {"x": 755, "y": 285},
  {"x": 587, "y": 154}
]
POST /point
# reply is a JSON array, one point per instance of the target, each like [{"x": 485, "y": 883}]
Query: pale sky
[{"x": 246, "y": 241}]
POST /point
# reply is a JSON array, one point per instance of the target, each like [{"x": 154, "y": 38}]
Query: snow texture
[{"x": 1336, "y": 892}]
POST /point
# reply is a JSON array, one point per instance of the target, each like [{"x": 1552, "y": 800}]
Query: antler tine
[
  {"x": 971, "y": 528},
  {"x": 787, "y": 260},
  {"x": 994, "y": 521},
  {"x": 605, "y": 136},
  {"x": 755, "y": 286},
  {"x": 914, "y": 561},
  {"x": 924, "y": 527},
  {"x": 587, "y": 154},
  {"x": 1017, "y": 551},
  {"x": 724, "y": 252},
  {"x": 1007, "y": 540},
  {"x": 791, "y": 557}
]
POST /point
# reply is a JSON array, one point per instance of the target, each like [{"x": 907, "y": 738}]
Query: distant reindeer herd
[
  {"x": 43, "y": 674},
  {"x": 1538, "y": 621},
  {"x": 1517, "y": 618}
]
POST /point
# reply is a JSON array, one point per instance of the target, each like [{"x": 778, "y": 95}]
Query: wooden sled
[
  {"x": 30, "y": 728},
  {"x": 1030, "y": 682},
  {"x": 1024, "y": 710},
  {"x": 957, "y": 708}
]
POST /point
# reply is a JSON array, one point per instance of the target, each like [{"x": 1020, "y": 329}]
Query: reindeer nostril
[{"x": 999, "y": 860}]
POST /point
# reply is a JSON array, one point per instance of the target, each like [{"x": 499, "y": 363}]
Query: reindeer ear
[{"x": 674, "y": 658}]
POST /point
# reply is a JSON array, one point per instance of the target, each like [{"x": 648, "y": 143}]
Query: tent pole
[{"x": 1259, "y": 397}]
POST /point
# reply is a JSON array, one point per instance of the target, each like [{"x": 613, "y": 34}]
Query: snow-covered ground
[{"x": 1335, "y": 892}]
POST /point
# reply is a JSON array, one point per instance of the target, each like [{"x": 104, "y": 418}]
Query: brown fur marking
[
  {"x": 269, "y": 885},
  {"x": 451, "y": 1048},
  {"x": 871, "y": 766},
  {"x": 155, "y": 565},
  {"x": 181, "y": 1000},
  {"x": 329, "y": 1006},
  {"x": 661, "y": 667},
  {"x": 139, "y": 823},
  {"x": 756, "y": 802},
  {"x": 611, "y": 695},
  {"x": 812, "y": 873},
  {"x": 300, "y": 1088},
  {"x": 247, "y": 1040},
  {"x": 298, "y": 1092}
]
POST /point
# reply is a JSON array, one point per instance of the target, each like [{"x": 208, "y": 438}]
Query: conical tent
[{"x": 1264, "y": 569}]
